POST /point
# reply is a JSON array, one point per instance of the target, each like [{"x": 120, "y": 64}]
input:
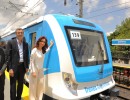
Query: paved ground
[{"x": 7, "y": 89}]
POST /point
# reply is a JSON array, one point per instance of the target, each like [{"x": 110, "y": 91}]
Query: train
[{"x": 79, "y": 64}]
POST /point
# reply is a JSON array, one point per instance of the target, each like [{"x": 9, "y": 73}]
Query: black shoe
[{"x": 19, "y": 98}]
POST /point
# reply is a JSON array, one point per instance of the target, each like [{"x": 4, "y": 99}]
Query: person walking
[
  {"x": 36, "y": 76},
  {"x": 17, "y": 49}
]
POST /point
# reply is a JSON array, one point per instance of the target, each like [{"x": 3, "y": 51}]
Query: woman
[{"x": 36, "y": 76}]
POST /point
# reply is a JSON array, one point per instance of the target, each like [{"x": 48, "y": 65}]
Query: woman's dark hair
[{"x": 45, "y": 46}]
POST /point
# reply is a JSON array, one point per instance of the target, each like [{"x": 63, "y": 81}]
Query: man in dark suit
[
  {"x": 17, "y": 50},
  {"x": 2, "y": 74}
]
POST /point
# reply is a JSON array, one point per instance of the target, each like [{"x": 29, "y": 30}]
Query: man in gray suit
[{"x": 17, "y": 50}]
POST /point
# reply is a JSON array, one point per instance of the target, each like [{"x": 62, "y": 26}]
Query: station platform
[
  {"x": 121, "y": 65},
  {"x": 25, "y": 93},
  {"x": 7, "y": 89}
]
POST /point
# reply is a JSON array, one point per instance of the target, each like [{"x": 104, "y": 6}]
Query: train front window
[{"x": 87, "y": 47}]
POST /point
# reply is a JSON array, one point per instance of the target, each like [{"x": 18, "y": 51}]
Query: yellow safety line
[
  {"x": 25, "y": 93},
  {"x": 7, "y": 74},
  {"x": 121, "y": 66}
]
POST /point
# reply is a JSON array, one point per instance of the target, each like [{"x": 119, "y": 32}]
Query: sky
[{"x": 106, "y": 13}]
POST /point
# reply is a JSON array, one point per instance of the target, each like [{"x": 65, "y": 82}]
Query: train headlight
[{"x": 70, "y": 84}]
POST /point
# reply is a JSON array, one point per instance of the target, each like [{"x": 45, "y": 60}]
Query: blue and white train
[{"x": 79, "y": 65}]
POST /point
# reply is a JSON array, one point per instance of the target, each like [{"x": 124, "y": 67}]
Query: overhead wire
[
  {"x": 101, "y": 3},
  {"x": 108, "y": 12},
  {"x": 75, "y": 10},
  {"x": 15, "y": 16},
  {"x": 87, "y": 17},
  {"x": 70, "y": 9},
  {"x": 109, "y": 7},
  {"x": 35, "y": 5}
]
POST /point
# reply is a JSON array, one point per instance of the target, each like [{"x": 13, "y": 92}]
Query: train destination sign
[
  {"x": 98, "y": 87},
  {"x": 120, "y": 41}
]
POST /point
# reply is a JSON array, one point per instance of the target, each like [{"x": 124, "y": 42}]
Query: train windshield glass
[{"x": 87, "y": 47}]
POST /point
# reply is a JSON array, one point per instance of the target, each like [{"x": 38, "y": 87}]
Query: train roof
[{"x": 75, "y": 19}]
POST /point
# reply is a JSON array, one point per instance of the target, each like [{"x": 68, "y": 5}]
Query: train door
[{"x": 32, "y": 40}]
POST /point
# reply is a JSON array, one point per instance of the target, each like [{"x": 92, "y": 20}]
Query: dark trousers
[
  {"x": 19, "y": 77},
  {"x": 2, "y": 83}
]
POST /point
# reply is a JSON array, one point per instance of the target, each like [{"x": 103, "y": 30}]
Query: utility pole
[
  {"x": 80, "y": 2},
  {"x": 65, "y": 2}
]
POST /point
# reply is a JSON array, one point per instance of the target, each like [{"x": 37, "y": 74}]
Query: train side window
[{"x": 32, "y": 40}]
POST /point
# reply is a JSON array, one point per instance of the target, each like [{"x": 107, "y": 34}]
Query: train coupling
[
  {"x": 111, "y": 93},
  {"x": 104, "y": 97},
  {"x": 114, "y": 92}
]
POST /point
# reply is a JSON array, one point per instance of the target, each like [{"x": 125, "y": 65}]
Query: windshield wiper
[{"x": 102, "y": 56}]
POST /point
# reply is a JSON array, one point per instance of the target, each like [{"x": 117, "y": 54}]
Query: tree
[{"x": 122, "y": 32}]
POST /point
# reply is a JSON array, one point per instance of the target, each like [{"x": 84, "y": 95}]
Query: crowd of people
[{"x": 17, "y": 59}]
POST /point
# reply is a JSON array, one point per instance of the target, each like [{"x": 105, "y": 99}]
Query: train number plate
[{"x": 75, "y": 35}]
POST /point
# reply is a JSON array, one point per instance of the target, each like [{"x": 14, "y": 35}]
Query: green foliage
[{"x": 121, "y": 32}]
